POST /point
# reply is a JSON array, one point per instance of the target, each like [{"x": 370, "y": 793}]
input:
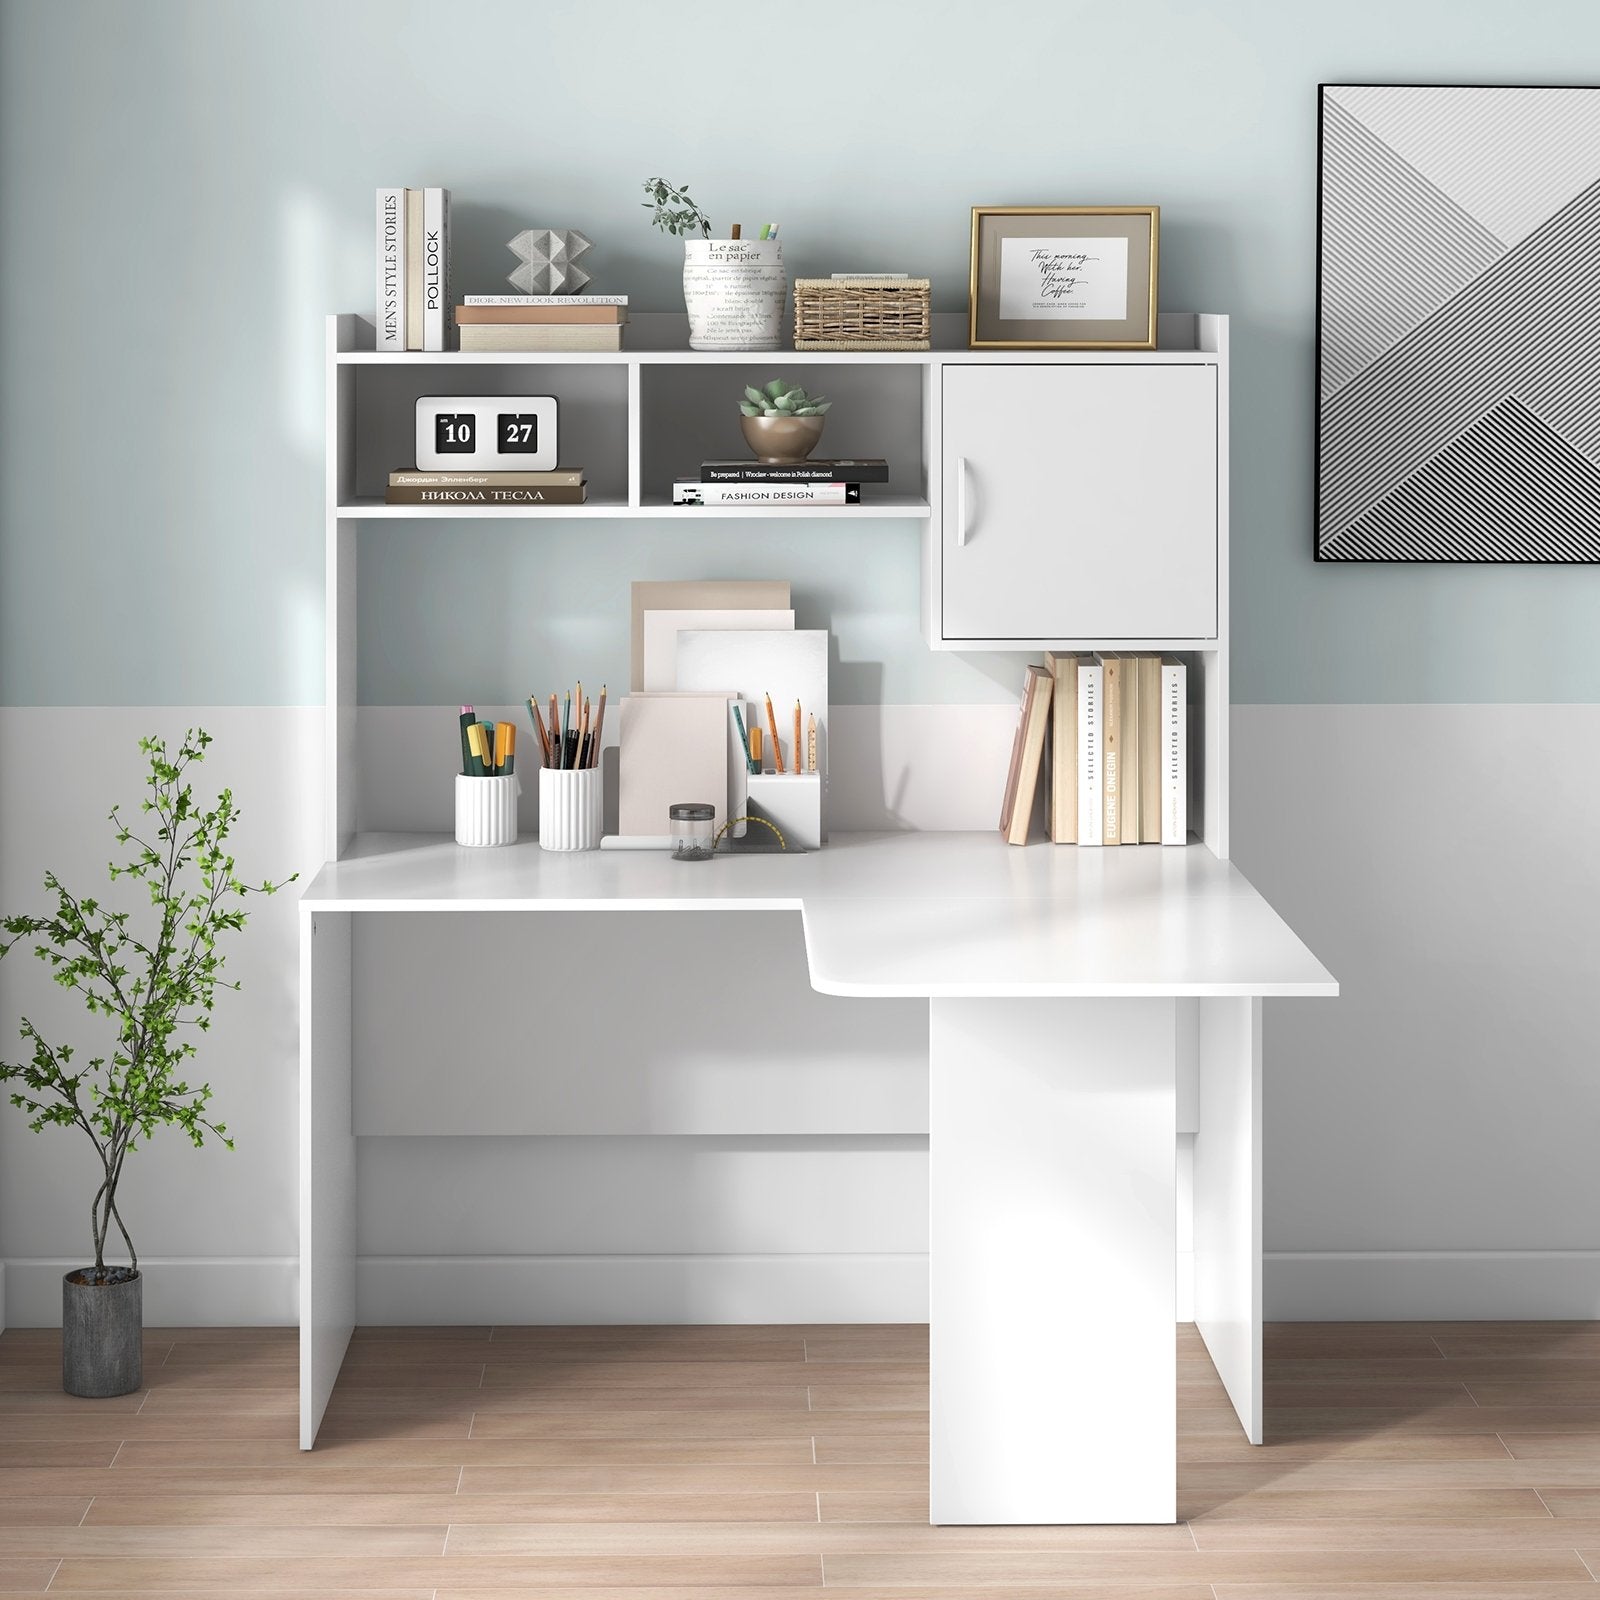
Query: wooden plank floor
[{"x": 1404, "y": 1460}]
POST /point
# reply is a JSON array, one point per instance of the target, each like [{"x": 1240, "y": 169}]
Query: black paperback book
[{"x": 873, "y": 469}]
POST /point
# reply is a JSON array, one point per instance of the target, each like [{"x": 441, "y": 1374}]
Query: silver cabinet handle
[{"x": 961, "y": 500}]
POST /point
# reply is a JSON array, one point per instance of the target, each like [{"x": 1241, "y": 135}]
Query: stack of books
[
  {"x": 1111, "y": 729},
  {"x": 542, "y": 321},
  {"x": 779, "y": 483},
  {"x": 565, "y": 486},
  {"x": 413, "y": 269}
]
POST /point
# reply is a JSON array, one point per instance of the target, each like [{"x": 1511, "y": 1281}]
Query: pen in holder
[
  {"x": 486, "y": 809},
  {"x": 569, "y": 808}
]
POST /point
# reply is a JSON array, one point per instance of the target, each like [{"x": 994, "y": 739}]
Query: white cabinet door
[{"x": 1080, "y": 502}]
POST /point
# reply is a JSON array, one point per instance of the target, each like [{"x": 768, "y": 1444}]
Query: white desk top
[{"x": 951, "y": 914}]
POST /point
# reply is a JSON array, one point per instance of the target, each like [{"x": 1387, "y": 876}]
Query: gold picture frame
[{"x": 1021, "y": 306}]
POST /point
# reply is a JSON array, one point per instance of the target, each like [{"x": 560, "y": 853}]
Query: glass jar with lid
[{"x": 693, "y": 829}]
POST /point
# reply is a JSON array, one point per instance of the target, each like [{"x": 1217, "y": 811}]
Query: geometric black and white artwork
[{"x": 1458, "y": 324}]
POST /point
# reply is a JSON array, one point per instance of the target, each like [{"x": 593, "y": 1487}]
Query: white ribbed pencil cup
[
  {"x": 486, "y": 809},
  {"x": 569, "y": 809}
]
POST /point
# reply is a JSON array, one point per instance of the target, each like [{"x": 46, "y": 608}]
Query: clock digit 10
[{"x": 455, "y": 433}]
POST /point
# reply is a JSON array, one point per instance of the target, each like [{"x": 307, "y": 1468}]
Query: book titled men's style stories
[{"x": 391, "y": 330}]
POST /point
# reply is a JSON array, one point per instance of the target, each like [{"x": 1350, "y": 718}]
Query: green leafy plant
[
  {"x": 675, "y": 212},
  {"x": 782, "y": 399},
  {"x": 153, "y": 981}
]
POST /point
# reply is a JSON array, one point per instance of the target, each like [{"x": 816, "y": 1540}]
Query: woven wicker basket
[{"x": 861, "y": 314}]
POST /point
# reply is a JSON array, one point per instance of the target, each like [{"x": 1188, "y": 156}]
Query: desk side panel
[
  {"x": 327, "y": 1164},
  {"x": 1227, "y": 1202}
]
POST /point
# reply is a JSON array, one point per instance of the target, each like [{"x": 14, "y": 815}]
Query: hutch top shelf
[{"x": 662, "y": 337}]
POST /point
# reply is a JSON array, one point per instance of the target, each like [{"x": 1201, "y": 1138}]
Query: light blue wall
[{"x": 187, "y": 189}]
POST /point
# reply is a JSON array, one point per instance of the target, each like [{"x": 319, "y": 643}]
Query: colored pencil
[
  {"x": 538, "y": 728},
  {"x": 797, "y": 736},
  {"x": 599, "y": 723},
  {"x": 777, "y": 743}
]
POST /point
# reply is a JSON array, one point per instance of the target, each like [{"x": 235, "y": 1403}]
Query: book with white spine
[
  {"x": 1149, "y": 749},
  {"x": 413, "y": 269},
  {"x": 1091, "y": 800},
  {"x": 544, "y": 300},
  {"x": 1174, "y": 752},
  {"x": 436, "y": 269},
  {"x": 391, "y": 320},
  {"x": 1111, "y": 699},
  {"x": 692, "y": 492}
]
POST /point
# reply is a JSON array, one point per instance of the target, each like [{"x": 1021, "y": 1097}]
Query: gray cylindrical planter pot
[{"x": 102, "y": 1334}]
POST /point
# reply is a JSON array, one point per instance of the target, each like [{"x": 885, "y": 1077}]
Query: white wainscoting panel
[{"x": 1430, "y": 1135}]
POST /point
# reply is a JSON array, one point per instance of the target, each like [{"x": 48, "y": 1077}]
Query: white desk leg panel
[
  {"x": 327, "y": 1164},
  {"x": 1053, "y": 1304},
  {"x": 1227, "y": 1201}
]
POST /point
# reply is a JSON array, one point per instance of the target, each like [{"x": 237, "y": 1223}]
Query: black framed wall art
[{"x": 1458, "y": 323}]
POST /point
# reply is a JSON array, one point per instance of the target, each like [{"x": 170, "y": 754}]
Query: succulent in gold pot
[{"x": 781, "y": 422}]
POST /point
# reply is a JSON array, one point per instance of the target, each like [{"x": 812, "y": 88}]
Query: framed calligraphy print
[
  {"x": 1063, "y": 278},
  {"x": 1458, "y": 323}
]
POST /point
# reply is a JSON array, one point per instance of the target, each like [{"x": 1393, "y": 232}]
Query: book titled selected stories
[
  {"x": 692, "y": 492},
  {"x": 872, "y": 469}
]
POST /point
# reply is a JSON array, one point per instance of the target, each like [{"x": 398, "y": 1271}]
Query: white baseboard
[
  {"x": 1325, "y": 1286},
  {"x": 1432, "y": 1285},
  {"x": 192, "y": 1292},
  {"x": 396, "y": 1290}
]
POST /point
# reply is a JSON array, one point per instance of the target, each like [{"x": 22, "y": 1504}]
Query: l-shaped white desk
[{"x": 1071, "y": 991}]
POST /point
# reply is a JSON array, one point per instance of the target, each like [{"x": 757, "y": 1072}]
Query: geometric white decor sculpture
[{"x": 548, "y": 260}]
